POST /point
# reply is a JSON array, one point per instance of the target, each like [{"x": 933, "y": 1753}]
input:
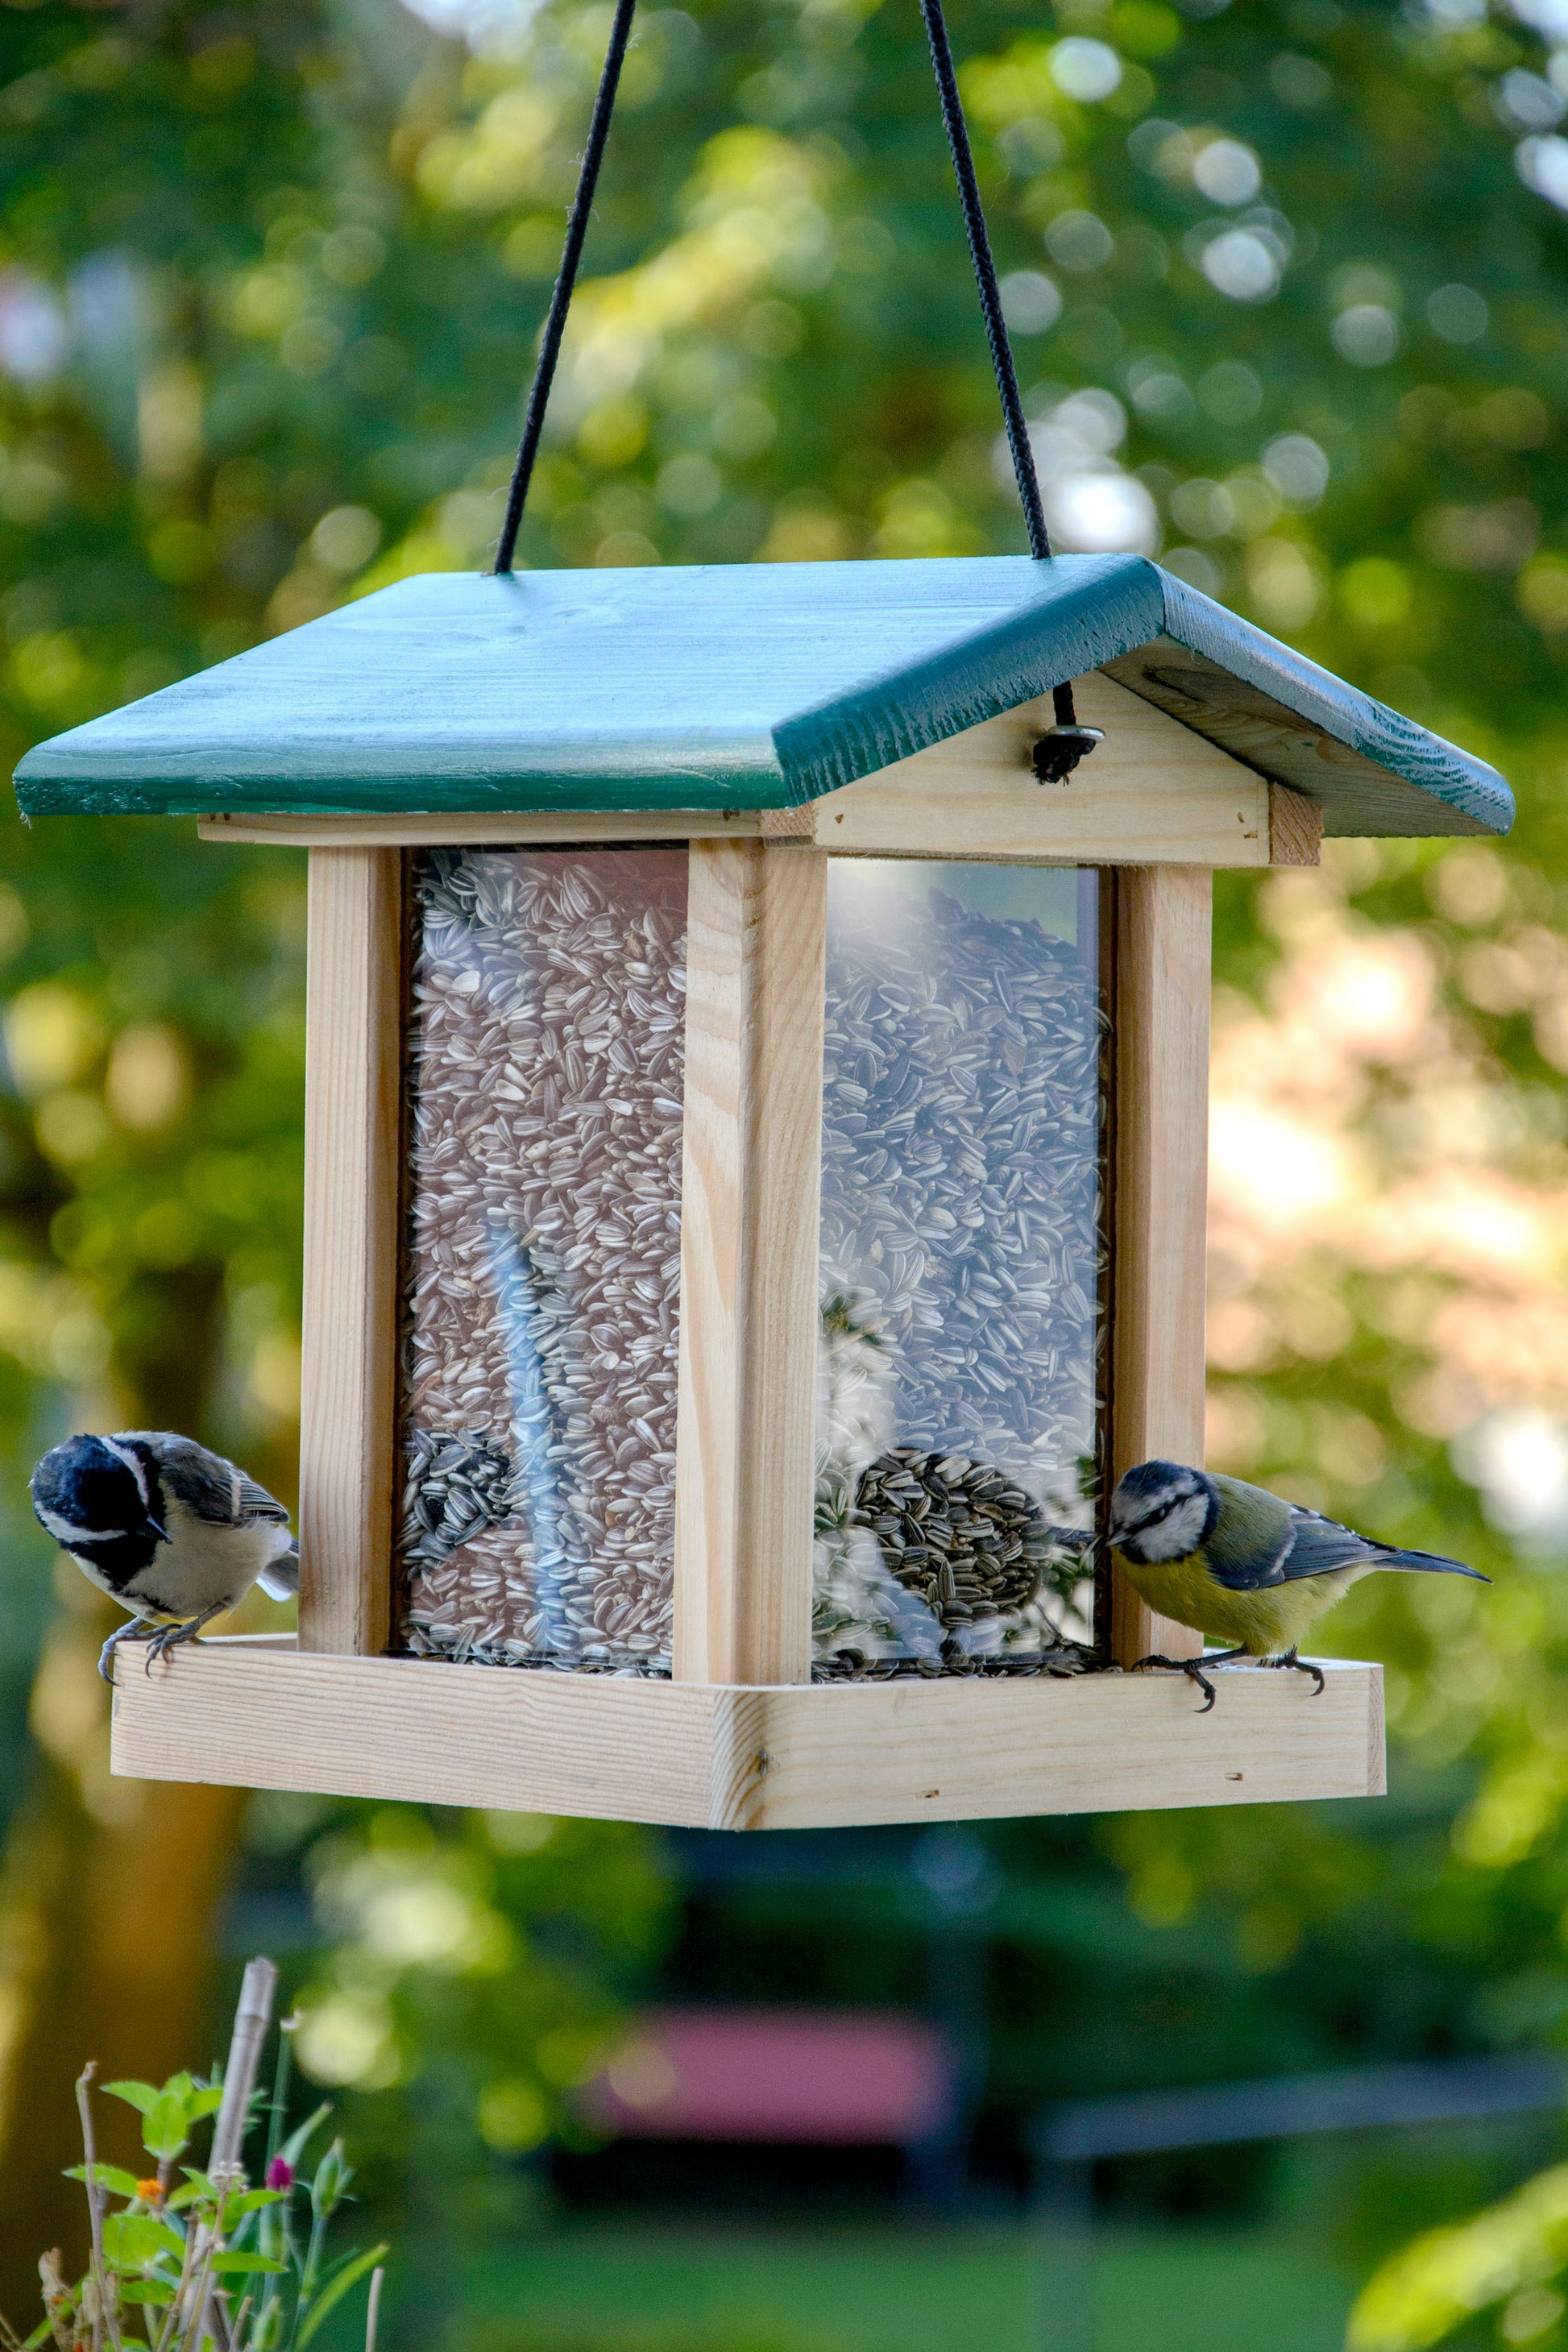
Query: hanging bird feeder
[{"x": 755, "y": 1168}]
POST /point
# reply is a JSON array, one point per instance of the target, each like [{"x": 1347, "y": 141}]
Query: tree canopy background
[{"x": 1290, "y": 288}]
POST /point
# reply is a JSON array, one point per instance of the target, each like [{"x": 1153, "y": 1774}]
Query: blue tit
[
  {"x": 169, "y": 1530},
  {"x": 1238, "y": 1564}
]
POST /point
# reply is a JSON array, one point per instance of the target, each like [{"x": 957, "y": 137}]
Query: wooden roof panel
[{"x": 748, "y": 686}]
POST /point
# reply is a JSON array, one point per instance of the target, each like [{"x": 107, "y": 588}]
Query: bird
[
  {"x": 1235, "y": 1562},
  {"x": 171, "y": 1531}
]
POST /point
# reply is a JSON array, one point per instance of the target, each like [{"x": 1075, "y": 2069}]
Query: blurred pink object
[{"x": 832, "y": 2078}]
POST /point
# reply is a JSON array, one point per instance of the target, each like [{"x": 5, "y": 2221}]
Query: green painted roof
[{"x": 747, "y": 686}]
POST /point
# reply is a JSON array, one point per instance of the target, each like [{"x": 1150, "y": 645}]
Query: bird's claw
[
  {"x": 133, "y": 1632},
  {"x": 1301, "y": 1666},
  {"x": 160, "y": 1643},
  {"x": 1192, "y": 1667}
]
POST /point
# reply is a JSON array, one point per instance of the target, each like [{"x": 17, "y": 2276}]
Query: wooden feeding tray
[{"x": 755, "y": 1179}]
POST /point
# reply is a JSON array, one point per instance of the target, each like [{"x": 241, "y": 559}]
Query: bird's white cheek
[{"x": 66, "y": 1532}]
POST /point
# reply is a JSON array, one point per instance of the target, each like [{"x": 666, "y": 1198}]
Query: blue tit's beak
[{"x": 158, "y": 1528}]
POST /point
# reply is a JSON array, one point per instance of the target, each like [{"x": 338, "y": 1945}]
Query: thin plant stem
[
  {"x": 102, "y": 2313},
  {"x": 280, "y": 2073},
  {"x": 202, "y": 2294},
  {"x": 162, "y": 2340},
  {"x": 313, "y": 2257},
  {"x": 275, "y": 2218},
  {"x": 372, "y": 2306}
]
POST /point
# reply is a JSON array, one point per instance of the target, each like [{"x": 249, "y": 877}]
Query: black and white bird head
[
  {"x": 1162, "y": 1510},
  {"x": 100, "y": 1495}
]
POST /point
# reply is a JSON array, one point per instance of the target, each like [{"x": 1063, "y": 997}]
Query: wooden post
[
  {"x": 1295, "y": 828},
  {"x": 756, "y": 931},
  {"x": 352, "y": 1042},
  {"x": 1164, "y": 949}
]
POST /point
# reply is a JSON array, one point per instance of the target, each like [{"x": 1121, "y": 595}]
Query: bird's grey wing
[
  {"x": 1319, "y": 1545},
  {"x": 255, "y": 1503},
  {"x": 279, "y": 1579},
  {"x": 214, "y": 1489}
]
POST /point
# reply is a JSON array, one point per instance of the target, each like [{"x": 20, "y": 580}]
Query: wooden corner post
[
  {"x": 1164, "y": 964},
  {"x": 756, "y": 932},
  {"x": 352, "y": 1042}
]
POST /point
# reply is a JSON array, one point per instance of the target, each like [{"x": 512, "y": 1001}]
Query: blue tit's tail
[{"x": 1429, "y": 1563}]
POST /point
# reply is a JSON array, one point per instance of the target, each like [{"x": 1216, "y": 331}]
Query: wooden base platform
[{"x": 256, "y": 1712}]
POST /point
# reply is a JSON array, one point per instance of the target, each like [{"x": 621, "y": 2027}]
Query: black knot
[{"x": 1060, "y": 748}]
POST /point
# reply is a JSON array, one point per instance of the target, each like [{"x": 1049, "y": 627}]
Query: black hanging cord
[
  {"x": 560, "y": 299},
  {"x": 985, "y": 279},
  {"x": 1059, "y": 752},
  {"x": 1056, "y": 754}
]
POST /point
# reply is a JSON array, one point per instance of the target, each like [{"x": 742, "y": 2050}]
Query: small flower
[
  {"x": 279, "y": 2173},
  {"x": 150, "y": 2191}
]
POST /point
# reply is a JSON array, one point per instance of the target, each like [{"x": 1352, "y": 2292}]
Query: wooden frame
[
  {"x": 352, "y": 1076},
  {"x": 1163, "y": 958},
  {"x": 756, "y": 941},
  {"x": 1154, "y": 794},
  {"x": 739, "y": 1737},
  {"x": 260, "y": 1714}
]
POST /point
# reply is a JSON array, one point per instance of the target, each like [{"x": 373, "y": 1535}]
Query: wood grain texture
[
  {"x": 413, "y": 830},
  {"x": 1295, "y": 828},
  {"x": 756, "y": 926},
  {"x": 261, "y": 1715},
  {"x": 721, "y": 687},
  {"x": 353, "y": 1040},
  {"x": 1372, "y": 771},
  {"x": 1152, "y": 792},
  {"x": 1163, "y": 922}
]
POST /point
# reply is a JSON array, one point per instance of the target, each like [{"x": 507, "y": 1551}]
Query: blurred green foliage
[{"x": 1290, "y": 291}]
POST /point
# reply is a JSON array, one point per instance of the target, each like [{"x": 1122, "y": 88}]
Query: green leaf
[
  {"x": 233, "y": 2266},
  {"x": 204, "y": 2103},
  {"x": 167, "y": 2125},
  {"x": 106, "y": 2176},
  {"x": 147, "y": 2290},
  {"x": 252, "y": 2202},
  {"x": 40, "y": 2335},
  {"x": 335, "y": 2291},
  {"x": 131, "y": 2240},
  {"x": 189, "y": 2195},
  {"x": 135, "y": 2095}
]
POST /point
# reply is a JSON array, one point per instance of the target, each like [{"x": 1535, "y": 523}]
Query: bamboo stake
[{"x": 252, "y": 2017}]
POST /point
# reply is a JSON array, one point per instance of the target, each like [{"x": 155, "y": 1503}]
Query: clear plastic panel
[
  {"x": 961, "y": 1324},
  {"x": 543, "y": 1257}
]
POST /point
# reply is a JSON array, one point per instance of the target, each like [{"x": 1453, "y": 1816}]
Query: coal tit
[{"x": 169, "y": 1529}]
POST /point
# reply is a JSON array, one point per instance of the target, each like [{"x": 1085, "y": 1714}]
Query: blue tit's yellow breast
[{"x": 1262, "y": 1623}]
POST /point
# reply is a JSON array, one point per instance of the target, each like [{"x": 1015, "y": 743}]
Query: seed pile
[
  {"x": 542, "y": 1259},
  {"x": 455, "y": 1485},
  {"x": 967, "y": 1540},
  {"x": 961, "y": 1254}
]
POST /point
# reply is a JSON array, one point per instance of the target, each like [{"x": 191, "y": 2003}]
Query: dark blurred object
[{"x": 1060, "y": 748}]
